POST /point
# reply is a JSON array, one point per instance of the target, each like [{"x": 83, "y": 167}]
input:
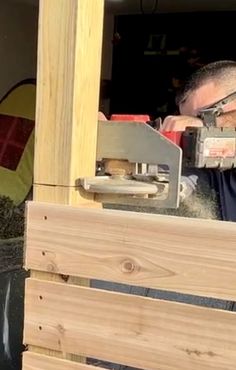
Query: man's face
[{"x": 205, "y": 96}]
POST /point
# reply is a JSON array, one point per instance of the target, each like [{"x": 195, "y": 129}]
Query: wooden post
[
  {"x": 68, "y": 80},
  {"x": 69, "y": 63}
]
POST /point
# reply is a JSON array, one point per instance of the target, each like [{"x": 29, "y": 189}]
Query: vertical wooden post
[
  {"x": 69, "y": 63},
  {"x": 68, "y": 80}
]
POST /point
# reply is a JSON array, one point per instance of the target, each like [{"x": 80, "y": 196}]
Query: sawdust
[
  {"x": 196, "y": 206},
  {"x": 200, "y": 207},
  {"x": 202, "y": 203}
]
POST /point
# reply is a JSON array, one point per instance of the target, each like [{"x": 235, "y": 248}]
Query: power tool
[
  {"x": 210, "y": 146},
  {"x": 139, "y": 165}
]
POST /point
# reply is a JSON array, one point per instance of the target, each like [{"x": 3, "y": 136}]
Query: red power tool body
[{"x": 203, "y": 147}]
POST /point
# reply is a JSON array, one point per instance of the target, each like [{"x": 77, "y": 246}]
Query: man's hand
[
  {"x": 227, "y": 119},
  {"x": 101, "y": 117},
  {"x": 179, "y": 123}
]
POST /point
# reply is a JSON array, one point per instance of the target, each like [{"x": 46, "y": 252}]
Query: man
[{"x": 204, "y": 88}]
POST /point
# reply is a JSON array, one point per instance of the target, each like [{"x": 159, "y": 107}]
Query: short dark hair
[{"x": 214, "y": 70}]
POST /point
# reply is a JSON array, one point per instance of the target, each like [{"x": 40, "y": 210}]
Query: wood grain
[
  {"x": 184, "y": 255},
  {"x": 68, "y": 78},
  {"x": 69, "y": 63},
  {"x": 64, "y": 195},
  {"x": 33, "y": 361},
  {"x": 132, "y": 330}
]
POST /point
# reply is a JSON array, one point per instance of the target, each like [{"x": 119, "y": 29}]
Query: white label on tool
[{"x": 222, "y": 147}]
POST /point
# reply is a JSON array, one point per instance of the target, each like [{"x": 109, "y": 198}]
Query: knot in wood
[
  {"x": 128, "y": 266},
  {"x": 61, "y": 329},
  {"x": 51, "y": 267}
]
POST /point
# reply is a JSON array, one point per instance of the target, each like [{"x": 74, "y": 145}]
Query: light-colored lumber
[
  {"x": 64, "y": 195},
  {"x": 128, "y": 329},
  {"x": 171, "y": 253},
  {"x": 69, "y": 63},
  {"x": 68, "y": 78},
  {"x": 33, "y": 361}
]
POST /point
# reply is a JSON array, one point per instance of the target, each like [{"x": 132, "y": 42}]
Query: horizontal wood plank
[
  {"x": 127, "y": 329},
  {"x": 179, "y": 254},
  {"x": 34, "y": 361}
]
